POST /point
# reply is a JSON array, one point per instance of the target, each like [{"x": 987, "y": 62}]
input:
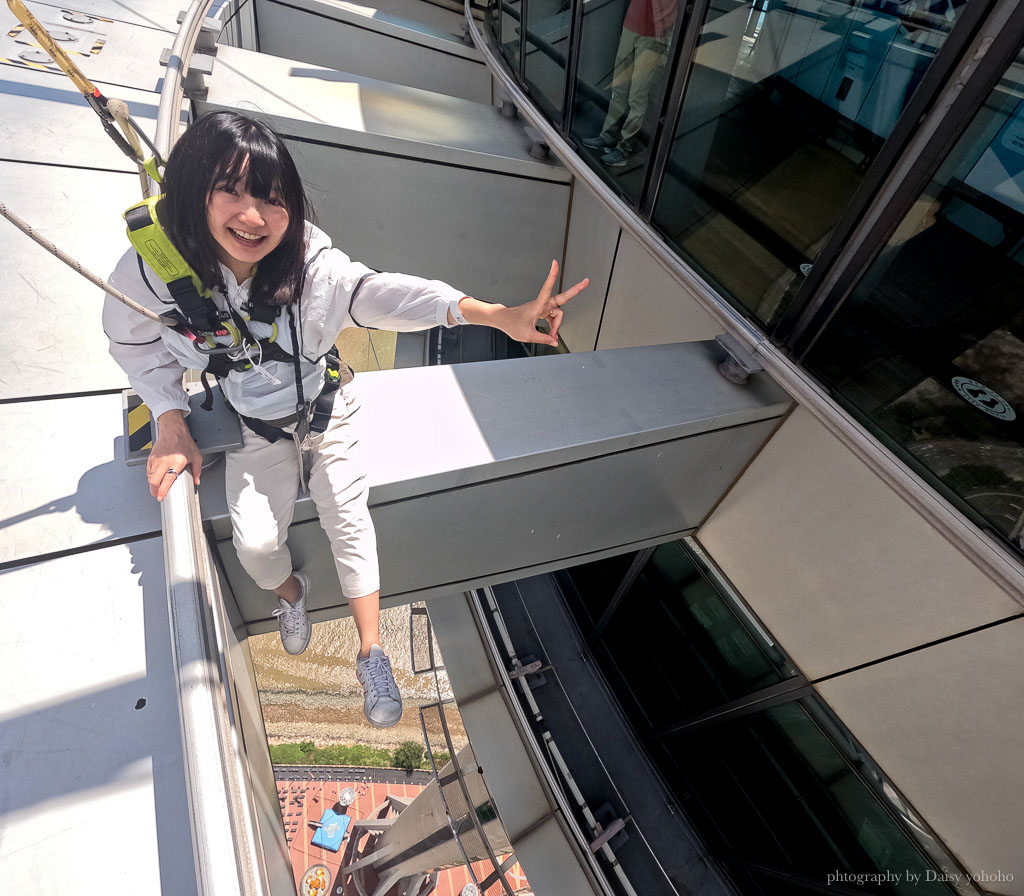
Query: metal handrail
[
  {"x": 172, "y": 91},
  {"x": 992, "y": 558},
  {"x": 226, "y": 845},
  {"x": 497, "y": 868}
]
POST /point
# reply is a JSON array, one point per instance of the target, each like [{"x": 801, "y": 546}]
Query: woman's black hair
[{"x": 229, "y": 148}]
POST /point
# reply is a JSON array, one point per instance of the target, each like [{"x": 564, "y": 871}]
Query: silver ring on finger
[{"x": 171, "y": 471}]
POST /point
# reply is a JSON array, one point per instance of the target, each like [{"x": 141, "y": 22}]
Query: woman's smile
[{"x": 246, "y": 228}]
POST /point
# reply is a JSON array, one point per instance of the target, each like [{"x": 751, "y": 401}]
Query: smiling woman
[
  {"x": 246, "y": 228},
  {"x": 233, "y": 179},
  {"x": 276, "y": 295}
]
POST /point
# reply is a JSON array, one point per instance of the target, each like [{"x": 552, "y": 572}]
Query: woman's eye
[
  {"x": 276, "y": 200},
  {"x": 226, "y": 188}
]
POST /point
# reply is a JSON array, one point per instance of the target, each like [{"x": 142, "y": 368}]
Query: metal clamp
[{"x": 740, "y": 363}]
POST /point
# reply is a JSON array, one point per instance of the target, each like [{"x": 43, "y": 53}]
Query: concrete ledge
[{"x": 481, "y": 473}]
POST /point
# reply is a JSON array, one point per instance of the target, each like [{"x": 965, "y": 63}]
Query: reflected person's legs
[
  {"x": 622, "y": 76},
  {"x": 649, "y": 59}
]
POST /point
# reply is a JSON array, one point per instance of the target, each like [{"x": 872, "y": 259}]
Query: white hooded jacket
[{"x": 155, "y": 357}]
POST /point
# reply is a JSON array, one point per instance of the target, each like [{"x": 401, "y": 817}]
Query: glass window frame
[
  {"x": 907, "y": 156},
  {"x": 914, "y": 158},
  {"x": 797, "y": 689},
  {"x": 555, "y": 115},
  {"x": 859, "y": 762},
  {"x": 819, "y": 286}
]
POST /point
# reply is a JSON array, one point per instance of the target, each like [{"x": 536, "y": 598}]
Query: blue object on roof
[{"x": 332, "y": 830}]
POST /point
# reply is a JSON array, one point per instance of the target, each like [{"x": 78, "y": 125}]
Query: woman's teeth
[{"x": 249, "y": 237}]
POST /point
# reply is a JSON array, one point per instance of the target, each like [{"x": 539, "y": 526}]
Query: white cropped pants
[{"x": 262, "y": 483}]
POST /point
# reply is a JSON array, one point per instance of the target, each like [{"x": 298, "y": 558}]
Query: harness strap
[
  {"x": 200, "y": 312},
  {"x": 352, "y": 298},
  {"x": 336, "y": 375}
]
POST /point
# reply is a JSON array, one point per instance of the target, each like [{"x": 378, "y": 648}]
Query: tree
[{"x": 409, "y": 755}]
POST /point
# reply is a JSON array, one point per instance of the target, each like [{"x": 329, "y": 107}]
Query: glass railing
[{"x": 927, "y": 350}]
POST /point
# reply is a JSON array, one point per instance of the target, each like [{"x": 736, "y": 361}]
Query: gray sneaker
[
  {"x": 382, "y": 704},
  {"x": 598, "y": 142},
  {"x": 292, "y": 619},
  {"x": 614, "y": 159}
]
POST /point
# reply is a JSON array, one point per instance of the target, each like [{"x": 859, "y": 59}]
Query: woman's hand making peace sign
[{"x": 520, "y": 321}]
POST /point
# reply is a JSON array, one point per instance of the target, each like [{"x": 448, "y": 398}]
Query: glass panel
[
  {"x": 773, "y": 790},
  {"x": 929, "y": 347},
  {"x": 697, "y": 653},
  {"x": 549, "y": 24},
  {"x": 787, "y": 104},
  {"x": 492, "y": 21},
  {"x": 591, "y": 586},
  {"x": 624, "y": 48},
  {"x": 509, "y": 23}
]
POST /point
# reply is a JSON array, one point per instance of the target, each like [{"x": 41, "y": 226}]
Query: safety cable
[
  {"x": 29, "y": 231},
  {"x": 128, "y": 144},
  {"x": 119, "y": 110}
]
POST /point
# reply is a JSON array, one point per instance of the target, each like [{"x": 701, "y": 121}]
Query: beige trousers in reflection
[
  {"x": 262, "y": 482},
  {"x": 638, "y": 60}
]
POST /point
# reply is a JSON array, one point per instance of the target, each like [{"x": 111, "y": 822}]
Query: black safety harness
[{"x": 201, "y": 321}]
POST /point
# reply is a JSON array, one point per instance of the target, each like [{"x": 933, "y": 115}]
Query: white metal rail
[{"x": 227, "y": 847}]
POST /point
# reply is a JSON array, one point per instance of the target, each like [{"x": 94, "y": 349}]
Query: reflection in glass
[
  {"x": 929, "y": 347},
  {"x": 590, "y": 587},
  {"x": 547, "y": 48},
  {"x": 698, "y": 651},
  {"x": 773, "y": 792},
  {"x": 492, "y": 21},
  {"x": 787, "y": 103},
  {"x": 624, "y": 49},
  {"x": 509, "y": 21}
]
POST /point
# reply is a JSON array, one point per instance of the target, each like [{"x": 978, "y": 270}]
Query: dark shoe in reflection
[
  {"x": 614, "y": 159},
  {"x": 598, "y": 142}
]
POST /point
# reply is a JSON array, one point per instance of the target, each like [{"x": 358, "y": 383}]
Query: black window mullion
[
  {"x": 773, "y": 695},
  {"x": 572, "y": 66},
  {"x": 685, "y": 41},
  {"x": 524, "y": 18},
  {"x": 639, "y": 562},
  {"x": 963, "y": 84}
]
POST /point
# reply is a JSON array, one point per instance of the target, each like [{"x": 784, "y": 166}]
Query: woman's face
[{"x": 246, "y": 229}]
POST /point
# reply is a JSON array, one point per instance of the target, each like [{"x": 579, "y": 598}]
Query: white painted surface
[
  {"x": 837, "y": 566},
  {"x": 148, "y": 13},
  {"x": 945, "y": 724},
  {"x": 373, "y": 114},
  {"x": 647, "y": 306},
  {"x": 589, "y": 252},
  {"x": 54, "y": 339},
  {"x": 106, "y": 52},
  {"x": 486, "y": 472},
  {"x": 487, "y": 234},
  {"x": 435, "y": 15},
  {"x": 65, "y": 484},
  {"x": 45, "y": 120},
  {"x": 377, "y": 43},
  {"x": 90, "y": 788}
]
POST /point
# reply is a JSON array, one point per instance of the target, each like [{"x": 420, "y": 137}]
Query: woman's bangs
[
  {"x": 263, "y": 171},
  {"x": 253, "y": 168}
]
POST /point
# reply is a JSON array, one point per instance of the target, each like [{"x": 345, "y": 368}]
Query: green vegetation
[{"x": 409, "y": 755}]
